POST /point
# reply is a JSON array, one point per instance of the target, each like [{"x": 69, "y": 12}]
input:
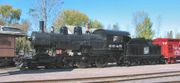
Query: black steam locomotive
[{"x": 95, "y": 49}]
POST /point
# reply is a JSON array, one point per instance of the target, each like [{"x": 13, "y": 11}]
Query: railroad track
[{"x": 109, "y": 79}]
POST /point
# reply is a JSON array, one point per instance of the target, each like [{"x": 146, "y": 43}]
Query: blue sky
[{"x": 119, "y": 11}]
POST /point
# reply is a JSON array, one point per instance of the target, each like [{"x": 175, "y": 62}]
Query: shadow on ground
[
  {"x": 37, "y": 71},
  {"x": 15, "y": 71}
]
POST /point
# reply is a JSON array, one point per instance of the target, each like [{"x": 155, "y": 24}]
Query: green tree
[
  {"x": 116, "y": 26},
  {"x": 177, "y": 35},
  {"x": 9, "y": 15},
  {"x": 24, "y": 25},
  {"x": 71, "y": 17},
  {"x": 143, "y": 26},
  {"x": 169, "y": 34},
  {"x": 21, "y": 42},
  {"x": 2, "y": 22},
  {"x": 95, "y": 24}
]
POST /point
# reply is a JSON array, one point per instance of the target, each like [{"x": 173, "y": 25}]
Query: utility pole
[{"x": 44, "y": 13}]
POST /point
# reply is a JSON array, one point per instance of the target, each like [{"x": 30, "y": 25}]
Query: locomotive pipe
[{"x": 41, "y": 26}]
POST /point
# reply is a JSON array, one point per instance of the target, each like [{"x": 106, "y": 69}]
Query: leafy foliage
[
  {"x": 24, "y": 25},
  {"x": 116, "y": 26},
  {"x": 71, "y": 17},
  {"x": 95, "y": 24},
  {"x": 143, "y": 26},
  {"x": 169, "y": 34},
  {"x": 2, "y": 22},
  {"x": 9, "y": 15},
  {"x": 22, "y": 43},
  {"x": 178, "y": 35}
]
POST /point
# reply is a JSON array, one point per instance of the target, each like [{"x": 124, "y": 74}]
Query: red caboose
[{"x": 170, "y": 48}]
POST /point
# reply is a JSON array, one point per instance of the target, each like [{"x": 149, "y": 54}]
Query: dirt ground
[{"x": 14, "y": 74}]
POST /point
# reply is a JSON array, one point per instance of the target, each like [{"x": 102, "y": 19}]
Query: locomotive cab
[
  {"x": 115, "y": 42},
  {"x": 114, "y": 39}
]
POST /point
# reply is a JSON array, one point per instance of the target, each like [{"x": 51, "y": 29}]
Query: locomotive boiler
[{"x": 63, "y": 41}]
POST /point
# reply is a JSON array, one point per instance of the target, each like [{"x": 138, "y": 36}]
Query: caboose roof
[
  {"x": 8, "y": 30},
  {"x": 111, "y": 32},
  {"x": 12, "y": 33},
  {"x": 166, "y": 40}
]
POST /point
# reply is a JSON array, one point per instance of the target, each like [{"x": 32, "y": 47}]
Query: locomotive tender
[{"x": 91, "y": 49}]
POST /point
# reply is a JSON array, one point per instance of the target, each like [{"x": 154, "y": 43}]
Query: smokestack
[{"x": 41, "y": 26}]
